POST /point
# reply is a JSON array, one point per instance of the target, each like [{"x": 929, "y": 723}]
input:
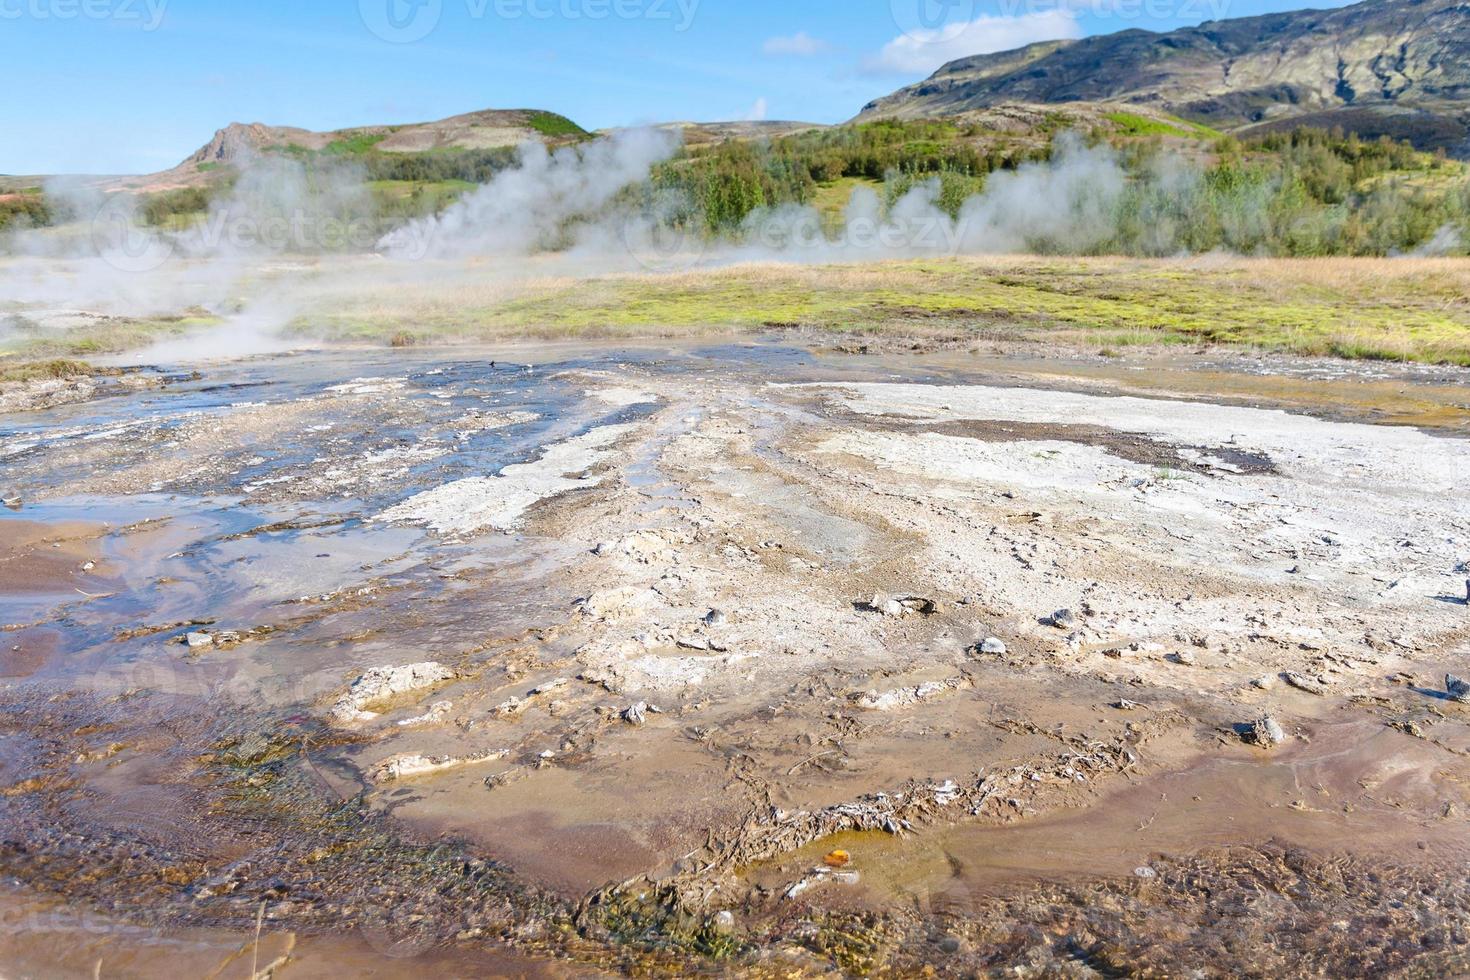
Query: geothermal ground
[{"x": 748, "y": 658}]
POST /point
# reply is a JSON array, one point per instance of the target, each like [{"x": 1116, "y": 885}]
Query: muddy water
[
  {"x": 41, "y": 938},
  {"x": 244, "y": 499},
  {"x": 1353, "y": 785},
  {"x": 1387, "y": 394}
]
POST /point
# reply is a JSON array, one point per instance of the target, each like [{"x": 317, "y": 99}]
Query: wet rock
[
  {"x": 409, "y": 765},
  {"x": 1265, "y": 732},
  {"x": 1064, "y": 619},
  {"x": 823, "y": 875},
  {"x": 1458, "y": 689},
  {"x": 993, "y": 645},
  {"x": 617, "y": 602},
  {"x": 1303, "y": 683},
  {"x": 437, "y": 712},
  {"x": 385, "y": 683},
  {"x": 905, "y": 696},
  {"x": 900, "y": 605},
  {"x": 11, "y": 499},
  {"x": 887, "y": 605},
  {"x": 199, "y": 641},
  {"x": 513, "y": 707}
]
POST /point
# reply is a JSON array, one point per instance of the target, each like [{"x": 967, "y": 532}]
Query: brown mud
[{"x": 705, "y": 615}]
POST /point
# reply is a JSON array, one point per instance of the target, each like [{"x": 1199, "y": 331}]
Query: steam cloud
[{"x": 271, "y": 251}]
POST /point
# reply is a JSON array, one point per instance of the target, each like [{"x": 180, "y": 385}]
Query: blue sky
[{"x": 131, "y": 86}]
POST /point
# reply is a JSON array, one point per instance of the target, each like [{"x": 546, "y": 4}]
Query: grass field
[
  {"x": 1396, "y": 309},
  {"x": 1387, "y": 309}
]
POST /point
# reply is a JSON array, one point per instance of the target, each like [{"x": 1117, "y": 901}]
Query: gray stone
[
  {"x": 1064, "y": 619},
  {"x": 1265, "y": 732},
  {"x": 199, "y": 640},
  {"x": 993, "y": 645},
  {"x": 1458, "y": 689},
  {"x": 636, "y": 714},
  {"x": 715, "y": 617}
]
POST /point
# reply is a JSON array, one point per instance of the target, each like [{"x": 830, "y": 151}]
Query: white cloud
[
  {"x": 759, "y": 111},
  {"x": 920, "y": 52},
  {"x": 800, "y": 44}
]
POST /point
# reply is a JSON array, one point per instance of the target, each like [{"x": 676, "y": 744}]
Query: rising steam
[{"x": 290, "y": 239}]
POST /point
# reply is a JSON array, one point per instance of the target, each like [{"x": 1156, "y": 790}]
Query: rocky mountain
[
  {"x": 1400, "y": 67},
  {"x": 471, "y": 131}
]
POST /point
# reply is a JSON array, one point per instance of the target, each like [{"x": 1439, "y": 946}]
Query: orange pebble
[{"x": 837, "y": 859}]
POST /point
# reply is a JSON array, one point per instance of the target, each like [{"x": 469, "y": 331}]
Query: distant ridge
[{"x": 1384, "y": 67}]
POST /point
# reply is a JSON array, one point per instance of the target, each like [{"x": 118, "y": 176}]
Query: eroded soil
[{"x": 708, "y": 615}]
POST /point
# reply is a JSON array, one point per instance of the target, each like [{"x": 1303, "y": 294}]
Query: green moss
[
  {"x": 551, "y": 124},
  {"x": 1133, "y": 124},
  {"x": 44, "y": 370},
  {"x": 353, "y": 145},
  {"x": 110, "y": 337}
]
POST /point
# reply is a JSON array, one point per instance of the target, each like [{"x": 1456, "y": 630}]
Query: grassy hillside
[
  {"x": 1300, "y": 193},
  {"x": 1188, "y": 189}
]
